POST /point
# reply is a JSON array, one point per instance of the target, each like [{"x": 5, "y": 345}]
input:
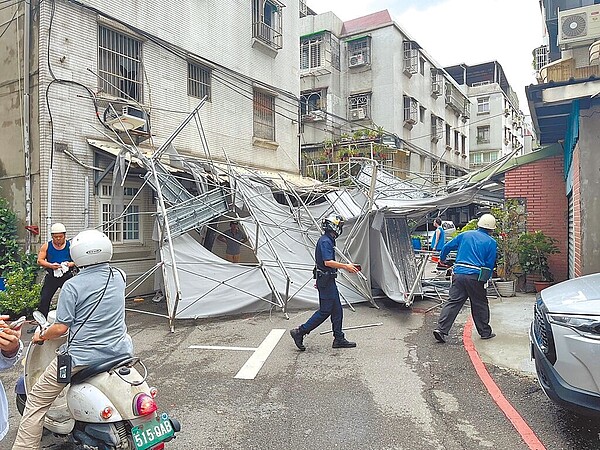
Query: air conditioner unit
[
  {"x": 578, "y": 25},
  {"x": 357, "y": 59},
  {"x": 127, "y": 118},
  {"x": 357, "y": 114},
  {"x": 318, "y": 115}
]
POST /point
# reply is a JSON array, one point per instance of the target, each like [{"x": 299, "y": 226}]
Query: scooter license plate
[{"x": 153, "y": 432}]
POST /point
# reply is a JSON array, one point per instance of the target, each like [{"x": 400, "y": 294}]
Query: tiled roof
[{"x": 367, "y": 22}]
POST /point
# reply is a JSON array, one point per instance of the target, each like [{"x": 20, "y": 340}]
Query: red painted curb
[{"x": 511, "y": 413}]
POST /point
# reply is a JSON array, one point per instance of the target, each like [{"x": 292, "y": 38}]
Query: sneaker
[
  {"x": 298, "y": 337},
  {"x": 439, "y": 336},
  {"x": 343, "y": 343},
  {"x": 492, "y": 335}
]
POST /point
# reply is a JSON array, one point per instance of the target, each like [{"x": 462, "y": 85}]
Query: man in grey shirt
[{"x": 91, "y": 308}]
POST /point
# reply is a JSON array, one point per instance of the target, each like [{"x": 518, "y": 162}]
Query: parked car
[
  {"x": 447, "y": 225},
  {"x": 565, "y": 343}
]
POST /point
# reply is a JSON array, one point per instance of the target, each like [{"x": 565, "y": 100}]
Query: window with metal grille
[
  {"x": 119, "y": 64},
  {"x": 310, "y": 52},
  {"x": 410, "y": 58},
  {"x": 359, "y": 106},
  {"x": 313, "y": 101},
  {"x": 264, "y": 115},
  {"x": 198, "y": 81},
  {"x": 359, "y": 51},
  {"x": 267, "y": 22},
  {"x": 411, "y": 110}
]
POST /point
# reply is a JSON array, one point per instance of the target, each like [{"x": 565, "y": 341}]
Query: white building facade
[
  {"x": 498, "y": 126},
  {"x": 365, "y": 80},
  {"x": 99, "y": 59}
]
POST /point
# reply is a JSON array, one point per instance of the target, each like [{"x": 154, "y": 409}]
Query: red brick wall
[
  {"x": 541, "y": 184},
  {"x": 577, "y": 212}
]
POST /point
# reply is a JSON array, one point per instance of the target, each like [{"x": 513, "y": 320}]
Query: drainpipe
[{"x": 26, "y": 124}]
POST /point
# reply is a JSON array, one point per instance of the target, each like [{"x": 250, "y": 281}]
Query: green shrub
[
  {"x": 9, "y": 247},
  {"x": 22, "y": 293}
]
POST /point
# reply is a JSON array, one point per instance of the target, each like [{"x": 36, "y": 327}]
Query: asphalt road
[{"x": 398, "y": 389}]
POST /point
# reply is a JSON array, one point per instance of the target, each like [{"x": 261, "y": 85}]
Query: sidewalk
[{"x": 510, "y": 318}]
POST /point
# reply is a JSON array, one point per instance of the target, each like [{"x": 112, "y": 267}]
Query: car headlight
[{"x": 586, "y": 326}]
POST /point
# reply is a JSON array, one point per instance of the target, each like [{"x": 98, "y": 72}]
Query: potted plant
[
  {"x": 534, "y": 248},
  {"x": 510, "y": 223}
]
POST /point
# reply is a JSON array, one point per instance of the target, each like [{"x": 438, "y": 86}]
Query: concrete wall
[
  {"x": 589, "y": 180},
  {"x": 541, "y": 184}
]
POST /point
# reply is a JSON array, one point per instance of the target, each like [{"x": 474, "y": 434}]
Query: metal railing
[{"x": 267, "y": 34}]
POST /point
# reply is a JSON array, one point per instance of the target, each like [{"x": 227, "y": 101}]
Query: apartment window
[
  {"x": 359, "y": 106},
  {"x": 483, "y": 105},
  {"x": 359, "y": 52},
  {"x": 483, "y": 134},
  {"x": 313, "y": 101},
  {"x": 456, "y": 142},
  {"x": 437, "y": 82},
  {"x": 437, "y": 128},
  {"x": 267, "y": 22},
  {"x": 125, "y": 228},
  {"x": 411, "y": 110},
  {"x": 463, "y": 145},
  {"x": 198, "y": 81},
  {"x": 476, "y": 158},
  {"x": 410, "y": 58},
  {"x": 264, "y": 115},
  {"x": 119, "y": 64},
  {"x": 422, "y": 66},
  {"x": 422, "y": 111},
  {"x": 310, "y": 52},
  {"x": 448, "y": 136}
]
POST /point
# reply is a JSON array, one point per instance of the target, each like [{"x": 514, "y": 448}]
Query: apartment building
[
  {"x": 96, "y": 68},
  {"x": 368, "y": 89},
  {"x": 497, "y": 124}
]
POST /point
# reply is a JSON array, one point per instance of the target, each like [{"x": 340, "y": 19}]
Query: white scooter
[{"x": 106, "y": 407}]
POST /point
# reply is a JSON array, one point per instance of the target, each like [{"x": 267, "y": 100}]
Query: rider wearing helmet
[
  {"x": 55, "y": 257},
  {"x": 475, "y": 261},
  {"x": 329, "y": 297},
  {"x": 91, "y": 308}
]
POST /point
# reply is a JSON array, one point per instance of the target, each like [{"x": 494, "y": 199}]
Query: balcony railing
[
  {"x": 269, "y": 35},
  {"x": 564, "y": 70}
]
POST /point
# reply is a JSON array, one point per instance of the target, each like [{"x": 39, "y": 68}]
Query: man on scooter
[{"x": 91, "y": 309}]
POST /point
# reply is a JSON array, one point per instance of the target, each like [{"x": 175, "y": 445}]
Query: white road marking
[
  {"x": 219, "y": 347},
  {"x": 258, "y": 358}
]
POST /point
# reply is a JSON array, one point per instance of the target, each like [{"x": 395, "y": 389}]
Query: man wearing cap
[
  {"x": 55, "y": 257},
  {"x": 475, "y": 261},
  {"x": 234, "y": 238}
]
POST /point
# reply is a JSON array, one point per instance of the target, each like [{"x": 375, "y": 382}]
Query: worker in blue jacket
[{"x": 475, "y": 260}]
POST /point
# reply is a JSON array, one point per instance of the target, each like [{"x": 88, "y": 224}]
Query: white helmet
[
  {"x": 58, "y": 228},
  {"x": 91, "y": 247},
  {"x": 333, "y": 223},
  {"x": 487, "y": 221}
]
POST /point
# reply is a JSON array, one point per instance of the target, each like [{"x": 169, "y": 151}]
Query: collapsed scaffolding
[{"x": 281, "y": 217}]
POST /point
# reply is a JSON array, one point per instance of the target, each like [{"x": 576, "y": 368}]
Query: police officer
[
  {"x": 329, "y": 297},
  {"x": 475, "y": 260}
]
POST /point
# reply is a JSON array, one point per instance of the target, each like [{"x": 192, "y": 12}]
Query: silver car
[{"x": 565, "y": 343}]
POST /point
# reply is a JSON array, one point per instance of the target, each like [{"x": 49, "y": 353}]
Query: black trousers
[
  {"x": 51, "y": 285},
  {"x": 463, "y": 287}
]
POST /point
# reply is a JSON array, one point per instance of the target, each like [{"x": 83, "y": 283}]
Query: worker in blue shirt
[
  {"x": 439, "y": 236},
  {"x": 475, "y": 260}
]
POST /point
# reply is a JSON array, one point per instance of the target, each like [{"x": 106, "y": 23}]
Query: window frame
[
  {"x": 117, "y": 231},
  {"x": 268, "y": 30},
  {"x": 313, "y": 46},
  {"x": 196, "y": 87},
  {"x": 119, "y": 85},
  {"x": 482, "y": 131},
  {"x": 305, "y": 101},
  {"x": 263, "y": 103},
  {"x": 360, "y": 101},
  {"x": 483, "y": 105},
  {"x": 359, "y": 46}
]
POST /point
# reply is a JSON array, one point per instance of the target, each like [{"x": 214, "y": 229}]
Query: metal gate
[{"x": 571, "y": 237}]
